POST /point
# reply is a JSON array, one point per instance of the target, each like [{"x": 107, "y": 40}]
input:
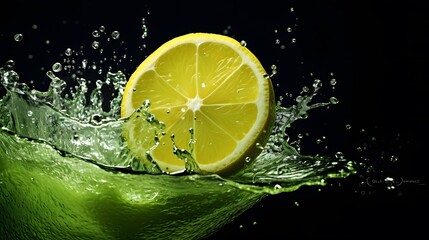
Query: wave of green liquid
[
  {"x": 44, "y": 195},
  {"x": 63, "y": 177}
]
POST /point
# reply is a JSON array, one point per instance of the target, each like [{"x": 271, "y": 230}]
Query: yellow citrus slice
[{"x": 209, "y": 83}]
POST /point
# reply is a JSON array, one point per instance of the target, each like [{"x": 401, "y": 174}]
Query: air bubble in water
[
  {"x": 29, "y": 113},
  {"x": 18, "y": 37},
  {"x": 243, "y": 43},
  {"x": 102, "y": 28},
  {"x": 333, "y": 82},
  {"x": 289, "y": 29}
]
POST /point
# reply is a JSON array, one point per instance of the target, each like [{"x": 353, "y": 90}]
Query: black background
[{"x": 377, "y": 52}]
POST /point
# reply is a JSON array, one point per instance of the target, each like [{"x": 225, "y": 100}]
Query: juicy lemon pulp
[{"x": 211, "y": 84}]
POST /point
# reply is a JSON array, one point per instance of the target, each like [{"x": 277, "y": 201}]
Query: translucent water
[
  {"x": 88, "y": 132},
  {"x": 65, "y": 145}
]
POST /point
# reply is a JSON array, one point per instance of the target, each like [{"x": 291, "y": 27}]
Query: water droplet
[
  {"x": 115, "y": 34},
  {"x": 9, "y": 65},
  {"x": 144, "y": 28},
  {"x": 277, "y": 186},
  {"x": 95, "y": 44},
  {"x": 243, "y": 43},
  {"x": 390, "y": 182},
  {"x": 84, "y": 63},
  {"x": 393, "y": 158},
  {"x": 18, "y": 37},
  {"x": 339, "y": 155},
  {"x": 317, "y": 84},
  {"x": 29, "y": 113},
  {"x": 247, "y": 159},
  {"x": 96, "y": 33},
  {"x": 146, "y": 103},
  {"x": 57, "y": 67},
  {"x": 305, "y": 89},
  {"x": 333, "y": 100},
  {"x": 68, "y": 52},
  {"x": 273, "y": 70}
]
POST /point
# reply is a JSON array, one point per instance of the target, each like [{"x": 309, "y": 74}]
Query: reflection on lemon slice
[{"x": 211, "y": 84}]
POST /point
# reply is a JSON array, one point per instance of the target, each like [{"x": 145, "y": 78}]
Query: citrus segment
[{"x": 211, "y": 84}]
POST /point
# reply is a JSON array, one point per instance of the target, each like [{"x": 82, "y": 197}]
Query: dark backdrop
[{"x": 377, "y": 52}]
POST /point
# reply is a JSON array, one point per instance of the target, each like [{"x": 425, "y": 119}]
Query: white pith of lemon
[{"x": 209, "y": 83}]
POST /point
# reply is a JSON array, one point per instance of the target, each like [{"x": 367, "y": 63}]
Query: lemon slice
[{"x": 209, "y": 83}]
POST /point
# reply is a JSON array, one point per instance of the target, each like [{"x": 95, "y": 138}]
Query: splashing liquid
[
  {"x": 89, "y": 133},
  {"x": 67, "y": 139}
]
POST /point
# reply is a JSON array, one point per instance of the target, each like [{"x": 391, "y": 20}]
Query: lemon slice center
[{"x": 194, "y": 104}]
